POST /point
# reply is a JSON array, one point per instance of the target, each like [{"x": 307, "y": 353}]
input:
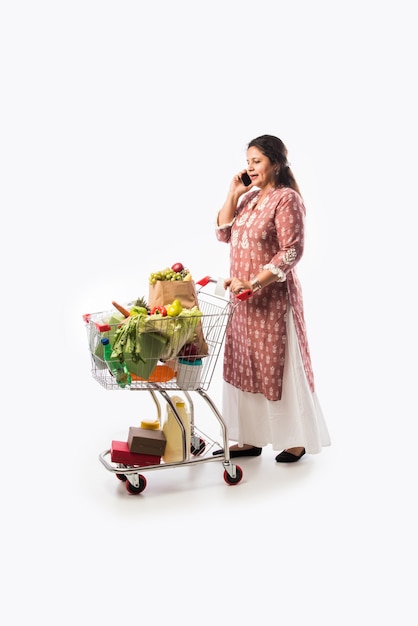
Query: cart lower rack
[{"x": 166, "y": 364}]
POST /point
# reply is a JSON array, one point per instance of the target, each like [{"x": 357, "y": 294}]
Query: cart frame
[{"x": 217, "y": 312}]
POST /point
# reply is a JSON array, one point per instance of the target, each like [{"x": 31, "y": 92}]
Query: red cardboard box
[
  {"x": 146, "y": 441},
  {"x": 120, "y": 453}
]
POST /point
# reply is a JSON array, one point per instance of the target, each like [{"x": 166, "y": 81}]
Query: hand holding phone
[{"x": 246, "y": 179}]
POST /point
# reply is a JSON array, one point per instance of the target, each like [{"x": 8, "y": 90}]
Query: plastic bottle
[
  {"x": 118, "y": 369},
  {"x": 189, "y": 373},
  {"x": 173, "y": 432}
]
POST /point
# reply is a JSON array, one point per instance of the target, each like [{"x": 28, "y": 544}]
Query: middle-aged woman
[{"x": 268, "y": 388}]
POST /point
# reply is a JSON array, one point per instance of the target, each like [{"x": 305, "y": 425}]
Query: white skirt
[{"x": 295, "y": 420}]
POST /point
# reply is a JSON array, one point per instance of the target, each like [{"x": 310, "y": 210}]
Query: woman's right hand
[
  {"x": 236, "y": 189},
  {"x": 237, "y": 186}
]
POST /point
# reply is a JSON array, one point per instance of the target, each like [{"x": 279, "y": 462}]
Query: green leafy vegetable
[{"x": 170, "y": 334}]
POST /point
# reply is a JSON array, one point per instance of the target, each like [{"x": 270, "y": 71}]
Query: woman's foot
[
  {"x": 236, "y": 451},
  {"x": 291, "y": 455}
]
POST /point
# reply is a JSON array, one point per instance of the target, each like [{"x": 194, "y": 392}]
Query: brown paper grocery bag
[{"x": 163, "y": 292}]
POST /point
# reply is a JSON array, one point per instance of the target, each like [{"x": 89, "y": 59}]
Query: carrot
[
  {"x": 160, "y": 374},
  {"x": 121, "y": 309}
]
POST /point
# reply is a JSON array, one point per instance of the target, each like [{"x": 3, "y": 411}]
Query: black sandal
[
  {"x": 288, "y": 457},
  {"x": 233, "y": 454}
]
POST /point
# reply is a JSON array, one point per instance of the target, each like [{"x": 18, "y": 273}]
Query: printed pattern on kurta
[{"x": 269, "y": 236}]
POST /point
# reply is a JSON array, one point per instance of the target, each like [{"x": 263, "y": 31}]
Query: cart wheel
[
  {"x": 135, "y": 490},
  {"x": 196, "y": 451},
  {"x": 238, "y": 476},
  {"x": 121, "y": 477}
]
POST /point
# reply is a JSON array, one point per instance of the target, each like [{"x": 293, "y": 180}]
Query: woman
[{"x": 268, "y": 395}]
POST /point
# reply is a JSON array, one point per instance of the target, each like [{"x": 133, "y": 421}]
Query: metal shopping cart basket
[{"x": 192, "y": 374}]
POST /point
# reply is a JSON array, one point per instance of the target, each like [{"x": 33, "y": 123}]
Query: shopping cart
[{"x": 160, "y": 377}]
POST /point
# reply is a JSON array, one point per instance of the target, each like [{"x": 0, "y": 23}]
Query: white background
[{"x": 122, "y": 124}]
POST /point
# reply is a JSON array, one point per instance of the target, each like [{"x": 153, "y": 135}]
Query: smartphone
[{"x": 246, "y": 179}]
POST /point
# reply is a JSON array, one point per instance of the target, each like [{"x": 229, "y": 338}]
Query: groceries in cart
[
  {"x": 145, "y": 445},
  {"x": 152, "y": 340},
  {"x": 170, "y": 342},
  {"x": 158, "y": 441}
]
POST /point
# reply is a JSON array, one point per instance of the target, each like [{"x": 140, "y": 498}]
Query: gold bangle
[{"x": 255, "y": 285}]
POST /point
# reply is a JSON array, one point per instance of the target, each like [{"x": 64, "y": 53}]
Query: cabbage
[{"x": 151, "y": 337}]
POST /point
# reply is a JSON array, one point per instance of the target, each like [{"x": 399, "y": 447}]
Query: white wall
[{"x": 122, "y": 125}]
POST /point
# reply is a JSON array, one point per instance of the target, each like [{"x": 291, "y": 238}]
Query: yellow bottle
[{"x": 173, "y": 432}]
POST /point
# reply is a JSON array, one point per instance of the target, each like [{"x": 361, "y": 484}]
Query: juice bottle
[{"x": 173, "y": 432}]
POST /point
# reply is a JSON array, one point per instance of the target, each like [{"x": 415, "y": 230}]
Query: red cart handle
[
  {"x": 204, "y": 281},
  {"x": 244, "y": 294},
  {"x": 102, "y": 328}
]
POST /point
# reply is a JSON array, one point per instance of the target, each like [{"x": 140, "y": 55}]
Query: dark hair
[{"x": 275, "y": 150}]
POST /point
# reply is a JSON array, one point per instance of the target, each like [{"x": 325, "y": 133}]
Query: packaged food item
[
  {"x": 146, "y": 440},
  {"x": 120, "y": 453}
]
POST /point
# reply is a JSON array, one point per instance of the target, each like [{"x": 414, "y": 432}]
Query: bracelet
[{"x": 255, "y": 285}]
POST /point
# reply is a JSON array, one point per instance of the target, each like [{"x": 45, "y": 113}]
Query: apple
[
  {"x": 177, "y": 267},
  {"x": 189, "y": 352}
]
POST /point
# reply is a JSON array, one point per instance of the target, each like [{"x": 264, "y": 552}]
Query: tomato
[{"x": 159, "y": 310}]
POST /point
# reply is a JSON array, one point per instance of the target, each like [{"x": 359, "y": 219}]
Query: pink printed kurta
[{"x": 270, "y": 236}]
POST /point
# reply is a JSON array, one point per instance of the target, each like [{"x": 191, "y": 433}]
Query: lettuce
[{"x": 152, "y": 337}]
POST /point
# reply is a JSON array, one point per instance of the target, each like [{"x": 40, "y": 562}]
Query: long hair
[{"x": 275, "y": 150}]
